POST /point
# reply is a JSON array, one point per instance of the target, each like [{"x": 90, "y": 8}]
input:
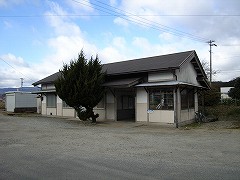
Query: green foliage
[
  {"x": 80, "y": 85},
  {"x": 211, "y": 97},
  {"x": 230, "y": 101},
  {"x": 235, "y": 92},
  {"x": 234, "y": 112}
]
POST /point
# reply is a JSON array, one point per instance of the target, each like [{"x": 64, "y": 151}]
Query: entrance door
[{"x": 126, "y": 108}]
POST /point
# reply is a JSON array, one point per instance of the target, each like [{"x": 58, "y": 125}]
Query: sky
[{"x": 38, "y": 36}]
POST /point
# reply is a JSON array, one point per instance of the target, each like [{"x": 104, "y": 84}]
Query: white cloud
[
  {"x": 80, "y": 6},
  {"x": 13, "y": 60},
  {"x": 113, "y": 2},
  {"x": 121, "y": 21}
]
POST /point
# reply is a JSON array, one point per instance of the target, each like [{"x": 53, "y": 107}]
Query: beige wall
[
  {"x": 101, "y": 113},
  {"x": 51, "y": 111},
  {"x": 44, "y": 105},
  {"x": 68, "y": 112},
  {"x": 59, "y": 107},
  {"x": 162, "y": 116},
  {"x": 141, "y": 106}
]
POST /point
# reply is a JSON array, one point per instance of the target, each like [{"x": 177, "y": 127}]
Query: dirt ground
[{"x": 36, "y": 147}]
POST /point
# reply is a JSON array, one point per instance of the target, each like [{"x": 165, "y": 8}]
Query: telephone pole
[
  {"x": 211, "y": 43},
  {"x": 21, "y": 82}
]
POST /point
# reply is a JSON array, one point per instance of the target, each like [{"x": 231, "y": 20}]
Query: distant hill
[{"x": 24, "y": 89}]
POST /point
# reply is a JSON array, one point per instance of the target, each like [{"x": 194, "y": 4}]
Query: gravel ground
[{"x": 56, "y": 148}]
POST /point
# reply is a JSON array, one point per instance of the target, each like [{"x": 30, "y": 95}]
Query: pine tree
[
  {"x": 80, "y": 85},
  {"x": 235, "y": 92}
]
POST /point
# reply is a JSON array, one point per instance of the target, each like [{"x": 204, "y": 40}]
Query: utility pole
[
  {"x": 21, "y": 82},
  {"x": 211, "y": 43}
]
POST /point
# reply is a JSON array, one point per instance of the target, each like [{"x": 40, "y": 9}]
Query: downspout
[
  {"x": 176, "y": 108},
  {"x": 176, "y": 96}
]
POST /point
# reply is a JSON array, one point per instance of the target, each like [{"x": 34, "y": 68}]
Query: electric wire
[
  {"x": 152, "y": 22},
  {"x": 16, "y": 69},
  {"x": 143, "y": 21}
]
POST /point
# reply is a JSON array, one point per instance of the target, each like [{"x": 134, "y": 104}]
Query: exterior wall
[
  {"x": 68, "y": 112},
  {"x": 162, "y": 116},
  {"x": 25, "y": 100},
  {"x": 101, "y": 113},
  {"x": 187, "y": 73},
  {"x": 196, "y": 101},
  {"x": 44, "y": 105},
  {"x": 224, "y": 92},
  {"x": 59, "y": 107},
  {"x": 10, "y": 102},
  {"x": 141, "y": 105},
  {"x": 20, "y": 100},
  {"x": 160, "y": 76},
  {"x": 110, "y": 106},
  {"x": 39, "y": 106},
  {"x": 51, "y": 111},
  {"x": 47, "y": 86},
  {"x": 187, "y": 115}
]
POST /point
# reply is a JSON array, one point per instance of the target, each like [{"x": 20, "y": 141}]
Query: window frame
[
  {"x": 52, "y": 104},
  {"x": 165, "y": 95},
  {"x": 187, "y": 99}
]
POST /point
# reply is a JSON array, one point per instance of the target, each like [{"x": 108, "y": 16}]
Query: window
[
  {"x": 161, "y": 99},
  {"x": 51, "y": 100},
  {"x": 187, "y": 99}
]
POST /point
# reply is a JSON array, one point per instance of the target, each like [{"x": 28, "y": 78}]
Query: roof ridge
[{"x": 147, "y": 57}]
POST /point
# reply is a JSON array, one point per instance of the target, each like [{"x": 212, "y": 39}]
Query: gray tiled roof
[
  {"x": 147, "y": 64},
  {"x": 136, "y": 66}
]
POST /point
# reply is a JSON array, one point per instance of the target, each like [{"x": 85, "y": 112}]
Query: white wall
[
  {"x": 10, "y": 102},
  {"x": 187, "y": 74},
  {"x": 160, "y": 76},
  {"x": 110, "y": 106}
]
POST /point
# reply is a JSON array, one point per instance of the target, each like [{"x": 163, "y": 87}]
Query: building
[
  {"x": 159, "y": 89},
  {"x": 18, "y": 101}
]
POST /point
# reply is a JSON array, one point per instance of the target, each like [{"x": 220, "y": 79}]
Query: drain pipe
[{"x": 176, "y": 108}]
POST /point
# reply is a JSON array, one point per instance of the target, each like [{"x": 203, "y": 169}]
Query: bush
[
  {"x": 230, "y": 102},
  {"x": 2, "y": 105},
  {"x": 223, "y": 111}
]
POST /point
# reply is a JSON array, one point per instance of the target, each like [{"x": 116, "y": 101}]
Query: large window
[
  {"x": 51, "y": 100},
  {"x": 161, "y": 99},
  {"x": 187, "y": 99}
]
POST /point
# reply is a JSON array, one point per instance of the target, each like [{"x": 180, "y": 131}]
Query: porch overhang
[
  {"x": 44, "y": 91},
  {"x": 122, "y": 83},
  {"x": 168, "y": 83}
]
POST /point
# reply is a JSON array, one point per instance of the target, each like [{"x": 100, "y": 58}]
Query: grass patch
[
  {"x": 192, "y": 125},
  {"x": 234, "y": 112}
]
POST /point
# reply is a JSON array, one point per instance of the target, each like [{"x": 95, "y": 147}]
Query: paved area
[{"x": 54, "y": 148}]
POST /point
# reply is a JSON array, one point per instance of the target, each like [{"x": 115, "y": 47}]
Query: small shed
[{"x": 18, "y": 101}]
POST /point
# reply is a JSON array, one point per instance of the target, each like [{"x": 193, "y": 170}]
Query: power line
[
  {"x": 16, "y": 69},
  {"x": 168, "y": 28},
  {"x": 142, "y": 15},
  {"x": 142, "y": 21}
]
